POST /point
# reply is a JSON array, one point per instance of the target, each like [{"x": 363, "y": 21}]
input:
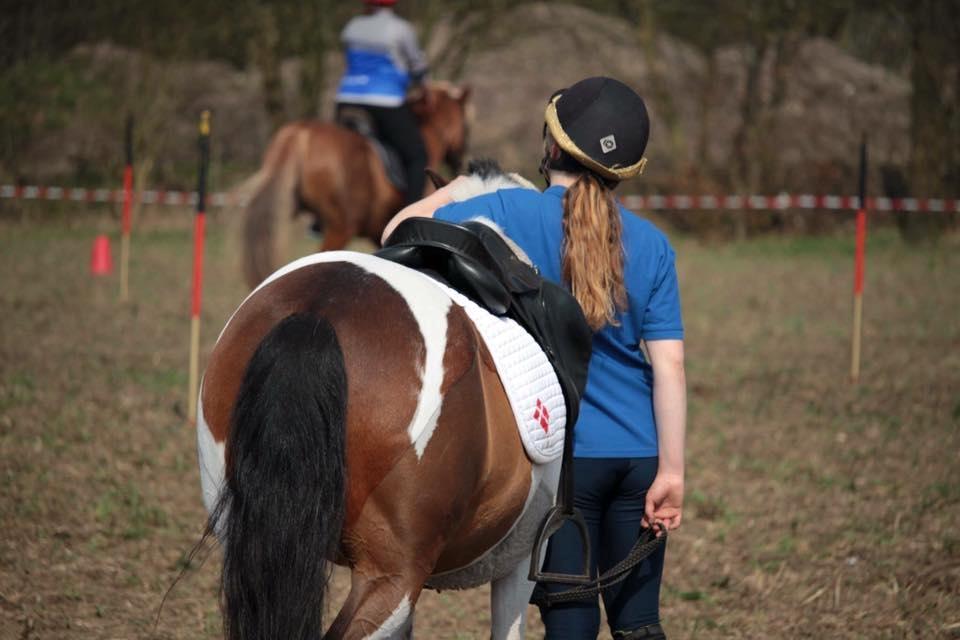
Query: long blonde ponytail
[{"x": 592, "y": 250}]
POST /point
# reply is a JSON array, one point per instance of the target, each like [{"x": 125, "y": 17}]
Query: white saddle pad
[{"x": 530, "y": 381}]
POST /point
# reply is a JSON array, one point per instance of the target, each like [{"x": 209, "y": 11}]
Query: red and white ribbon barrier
[
  {"x": 171, "y": 198},
  {"x": 646, "y": 203},
  {"x": 787, "y": 201}
]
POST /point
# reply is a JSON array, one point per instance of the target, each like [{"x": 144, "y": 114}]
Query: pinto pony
[
  {"x": 336, "y": 175},
  {"x": 352, "y": 413}
]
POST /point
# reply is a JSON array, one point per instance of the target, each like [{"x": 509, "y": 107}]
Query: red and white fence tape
[
  {"x": 646, "y": 203},
  {"x": 171, "y": 198},
  {"x": 787, "y": 201}
]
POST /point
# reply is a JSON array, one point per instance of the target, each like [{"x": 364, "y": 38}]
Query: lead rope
[{"x": 646, "y": 544}]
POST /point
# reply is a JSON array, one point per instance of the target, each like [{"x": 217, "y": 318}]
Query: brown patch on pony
[
  {"x": 468, "y": 506},
  {"x": 503, "y": 482}
]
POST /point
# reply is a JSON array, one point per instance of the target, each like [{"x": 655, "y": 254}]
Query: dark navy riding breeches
[{"x": 610, "y": 493}]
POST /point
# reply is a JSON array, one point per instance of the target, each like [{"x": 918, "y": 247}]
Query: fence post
[
  {"x": 198, "y": 235},
  {"x": 125, "y": 220},
  {"x": 858, "y": 267}
]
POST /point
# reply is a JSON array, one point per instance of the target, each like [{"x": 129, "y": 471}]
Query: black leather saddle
[{"x": 476, "y": 261}]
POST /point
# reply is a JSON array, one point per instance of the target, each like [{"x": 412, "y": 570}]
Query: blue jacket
[{"x": 382, "y": 58}]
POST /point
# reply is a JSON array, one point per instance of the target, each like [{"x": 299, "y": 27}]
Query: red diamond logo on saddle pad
[{"x": 542, "y": 416}]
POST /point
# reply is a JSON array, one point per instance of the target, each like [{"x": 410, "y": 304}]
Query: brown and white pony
[
  {"x": 351, "y": 413},
  {"x": 335, "y": 174}
]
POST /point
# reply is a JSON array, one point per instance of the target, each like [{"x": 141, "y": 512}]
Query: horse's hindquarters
[{"x": 436, "y": 475}]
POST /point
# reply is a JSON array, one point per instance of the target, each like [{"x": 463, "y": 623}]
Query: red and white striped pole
[
  {"x": 858, "y": 267},
  {"x": 125, "y": 220},
  {"x": 198, "y": 233}
]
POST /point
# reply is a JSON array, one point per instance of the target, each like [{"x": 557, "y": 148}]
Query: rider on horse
[{"x": 383, "y": 60}]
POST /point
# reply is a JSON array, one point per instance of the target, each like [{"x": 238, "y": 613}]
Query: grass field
[{"x": 815, "y": 508}]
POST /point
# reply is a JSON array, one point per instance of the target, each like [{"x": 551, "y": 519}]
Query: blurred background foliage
[{"x": 69, "y": 64}]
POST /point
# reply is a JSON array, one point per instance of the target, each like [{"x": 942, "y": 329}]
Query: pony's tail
[
  {"x": 273, "y": 203},
  {"x": 280, "y": 514}
]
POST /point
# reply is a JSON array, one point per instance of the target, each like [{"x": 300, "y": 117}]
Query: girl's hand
[{"x": 664, "y": 501}]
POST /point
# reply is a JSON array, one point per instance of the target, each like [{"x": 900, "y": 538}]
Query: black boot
[{"x": 649, "y": 632}]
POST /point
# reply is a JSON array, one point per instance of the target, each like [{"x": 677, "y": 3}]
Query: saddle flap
[
  {"x": 493, "y": 295},
  {"x": 519, "y": 276}
]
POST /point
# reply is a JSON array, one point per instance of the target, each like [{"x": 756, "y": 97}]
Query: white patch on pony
[
  {"x": 429, "y": 306},
  {"x": 396, "y": 625},
  {"x": 211, "y": 459},
  {"x": 474, "y": 185}
]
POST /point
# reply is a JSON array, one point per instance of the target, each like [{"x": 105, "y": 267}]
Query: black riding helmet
[{"x": 603, "y": 124}]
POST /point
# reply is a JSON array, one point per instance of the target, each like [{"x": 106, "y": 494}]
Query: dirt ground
[{"x": 815, "y": 509}]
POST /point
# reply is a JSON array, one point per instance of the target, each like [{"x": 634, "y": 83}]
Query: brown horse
[
  {"x": 351, "y": 411},
  {"x": 336, "y": 175}
]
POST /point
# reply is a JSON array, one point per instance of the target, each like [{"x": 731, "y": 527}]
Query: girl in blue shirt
[{"x": 629, "y": 439}]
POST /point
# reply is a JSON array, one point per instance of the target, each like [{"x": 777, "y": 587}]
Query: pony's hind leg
[
  {"x": 508, "y": 603},
  {"x": 380, "y": 606}
]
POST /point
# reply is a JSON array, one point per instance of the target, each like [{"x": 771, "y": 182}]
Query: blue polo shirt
[{"x": 616, "y": 414}]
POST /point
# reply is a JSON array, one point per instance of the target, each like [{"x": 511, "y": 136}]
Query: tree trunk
[
  {"x": 647, "y": 32},
  {"x": 743, "y": 139},
  {"x": 267, "y": 60},
  {"x": 934, "y": 114},
  {"x": 701, "y": 158}
]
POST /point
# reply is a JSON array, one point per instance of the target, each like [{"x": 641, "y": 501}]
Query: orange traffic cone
[{"x": 101, "y": 262}]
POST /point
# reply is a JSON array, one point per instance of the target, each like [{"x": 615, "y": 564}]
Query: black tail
[{"x": 282, "y": 507}]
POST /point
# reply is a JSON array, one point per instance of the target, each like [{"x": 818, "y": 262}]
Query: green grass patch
[
  {"x": 18, "y": 390},
  {"x": 799, "y": 246},
  {"x": 125, "y": 513},
  {"x": 707, "y": 507},
  {"x": 940, "y": 493},
  {"x": 687, "y": 595},
  {"x": 157, "y": 380}
]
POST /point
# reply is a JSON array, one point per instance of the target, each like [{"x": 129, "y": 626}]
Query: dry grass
[{"x": 815, "y": 508}]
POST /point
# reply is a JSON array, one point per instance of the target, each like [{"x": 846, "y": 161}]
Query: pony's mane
[{"x": 485, "y": 176}]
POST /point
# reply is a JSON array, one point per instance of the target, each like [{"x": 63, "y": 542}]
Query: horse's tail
[
  {"x": 280, "y": 513},
  {"x": 273, "y": 202}
]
